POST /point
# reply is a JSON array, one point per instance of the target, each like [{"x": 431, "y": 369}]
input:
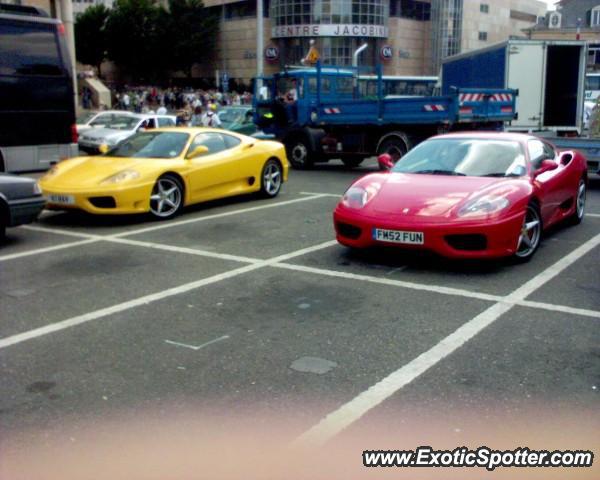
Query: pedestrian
[
  {"x": 196, "y": 120},
  {"x": 210, "y": 118},
  {"x": 126, "y": 101}
]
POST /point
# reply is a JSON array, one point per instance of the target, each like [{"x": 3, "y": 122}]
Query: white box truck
[{"x": 549, "y": 75}]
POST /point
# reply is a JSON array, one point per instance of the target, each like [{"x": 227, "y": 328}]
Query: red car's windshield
[{"x": 465, "y": 156}]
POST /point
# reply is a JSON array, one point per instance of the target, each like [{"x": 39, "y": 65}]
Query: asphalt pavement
[{"x": 246, "y": 315}]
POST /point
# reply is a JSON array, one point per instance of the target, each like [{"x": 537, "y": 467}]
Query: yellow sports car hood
[{"x": 88, "y": 172}]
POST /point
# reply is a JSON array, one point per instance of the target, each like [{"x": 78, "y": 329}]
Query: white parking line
[
  {"x": 595, "y": 215},
  {"x": 185, "y": 250},
  {"x": 388, "y": 281},
  {"x": 216, "y": 215},
  {"x": 559, "y": 308},
  {"x": 146, "y": 299},
  {"x": 60, "y": 231},
  {"x": 335, "y": 195},
  {"x": 197, "y": 347},
  {"x": 92, "y": 237},
  {"x": 349, "y": 413},
  {"x": 37, "y": 251}
]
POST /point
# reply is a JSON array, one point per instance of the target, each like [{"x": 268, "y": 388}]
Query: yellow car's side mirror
[
  {"x": 103, "y": 149},
  {"x": 196, "y": 152}
]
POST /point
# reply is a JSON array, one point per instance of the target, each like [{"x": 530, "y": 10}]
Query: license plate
[
  {"x": 398, "y": 236},
  {"x": 64, "y": 199}
]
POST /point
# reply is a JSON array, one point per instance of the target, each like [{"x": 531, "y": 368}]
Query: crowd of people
[
  {"x": 143, "y": 99},
  {"x": 192, "y": 107}
]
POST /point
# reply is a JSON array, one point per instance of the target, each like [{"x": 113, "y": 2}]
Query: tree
[
  {"x": 133, "y": 37},
  {"x": 90, "y": 38},
  {"x": 191, "y": 33}
]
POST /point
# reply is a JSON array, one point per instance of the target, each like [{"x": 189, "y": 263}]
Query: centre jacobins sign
[{"x": 337, "y": 30}]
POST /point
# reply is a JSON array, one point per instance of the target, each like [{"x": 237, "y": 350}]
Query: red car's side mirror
[
  {"x": 546, "y": 166},
  {"x": 385, "y": 161}
]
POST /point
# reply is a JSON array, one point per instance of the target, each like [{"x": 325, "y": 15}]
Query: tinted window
[
  {"x": 344, "y": 85},
  {"x": 325, "y": 85},
  {"x": 165, "y": 122},
  {"x": 539, "y": 151},
  {"x": 29, "y": 49},
  {"x": 213, "y": 141},
  {"x": 151, "y": 145},
  {"x": 592, "y": 83},
  {"x": 465, "y": 156},
  {"x": 231, "y": 141}
]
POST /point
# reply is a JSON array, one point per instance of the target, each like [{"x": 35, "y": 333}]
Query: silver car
[{"x": 121, "y": 127}]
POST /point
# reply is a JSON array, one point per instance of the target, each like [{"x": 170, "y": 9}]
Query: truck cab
[{"x": 288, "y": 99}]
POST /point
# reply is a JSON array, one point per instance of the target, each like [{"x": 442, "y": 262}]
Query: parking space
[
  {"x": 530, "y": 372},
  {"x": 251, "y": 304}
]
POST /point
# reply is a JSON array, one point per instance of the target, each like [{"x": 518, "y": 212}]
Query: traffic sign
[
  {"x": 272, "y": 53},
  {"x": 386, "y": 53}
]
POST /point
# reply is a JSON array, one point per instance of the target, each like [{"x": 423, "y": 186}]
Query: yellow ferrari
[{"x": 162, "y": 170}]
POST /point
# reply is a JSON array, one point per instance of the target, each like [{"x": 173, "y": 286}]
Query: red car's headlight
[
  {"x": 483, "y": 206},
  {"x": 358, "y": 197}
]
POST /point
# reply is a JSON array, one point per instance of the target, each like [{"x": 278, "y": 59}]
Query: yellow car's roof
[{"x": 197, "y": 130}]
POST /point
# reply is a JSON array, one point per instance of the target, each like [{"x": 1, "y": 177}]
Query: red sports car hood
[{"x": 437, "y": 197}]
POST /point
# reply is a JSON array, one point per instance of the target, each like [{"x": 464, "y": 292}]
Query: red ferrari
[{"x": 466, "y": 195}]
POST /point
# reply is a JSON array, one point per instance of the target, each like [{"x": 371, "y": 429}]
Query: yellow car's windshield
[{"x": 151, "y": 145}]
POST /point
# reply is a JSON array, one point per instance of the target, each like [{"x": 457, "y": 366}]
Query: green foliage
[
  {"x": 132, "y": 35},
  {"x": 191, "y": 31},
  {"x": 147, "y": 41},
  {"x": 90, "y": 38}
]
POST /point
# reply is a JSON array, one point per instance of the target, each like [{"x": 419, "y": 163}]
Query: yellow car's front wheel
[
  {"x": 167, "y": 197},
  {"x": 271, "y": 178}
]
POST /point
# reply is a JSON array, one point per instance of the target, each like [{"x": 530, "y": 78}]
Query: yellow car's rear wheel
[{"x": 167, "y": 197}]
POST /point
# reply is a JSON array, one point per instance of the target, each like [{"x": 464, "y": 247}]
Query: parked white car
[
  {"x": 120, "y": 128},
  {"x": 100, "y": 119}
]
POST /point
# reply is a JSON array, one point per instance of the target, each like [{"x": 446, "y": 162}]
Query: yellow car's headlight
[{"x": 123, "y": 176}]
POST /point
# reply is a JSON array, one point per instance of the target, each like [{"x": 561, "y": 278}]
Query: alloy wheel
[
  {"x": 166, "y": 198},
  {"x": 529, "y": 236},
  {"x": 272, "y": 178}
]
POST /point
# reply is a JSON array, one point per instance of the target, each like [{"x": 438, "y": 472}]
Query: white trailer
[{"x": 549, "y": 75}]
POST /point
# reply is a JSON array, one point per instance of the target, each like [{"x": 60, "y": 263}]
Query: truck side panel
[
  {"x": 417, "y": 110},
  {"x": 482, "y": 70}
]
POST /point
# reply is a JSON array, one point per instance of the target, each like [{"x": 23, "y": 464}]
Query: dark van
[{"x": 37, "y": 105}]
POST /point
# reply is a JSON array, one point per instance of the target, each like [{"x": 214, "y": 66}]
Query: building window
[
  {"x": 595, "y": 17},
  {"x": 328, "y": 12},
  {"x": 483, "y": 36},
  {"x": 413, "y": 9},
  {"x": 484, "y": 8}
]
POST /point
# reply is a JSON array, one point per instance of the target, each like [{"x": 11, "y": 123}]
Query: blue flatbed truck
[{"x": 334, "y": 118}]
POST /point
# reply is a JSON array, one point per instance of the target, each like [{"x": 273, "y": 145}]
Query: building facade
[
  {"x": 573, "y": 20},
  {"x": 409, "y": 37}
]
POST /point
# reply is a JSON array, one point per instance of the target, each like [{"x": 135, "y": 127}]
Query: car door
[
  {"x": 223, "y": 171},
  {"x": 550, "y": 184}
]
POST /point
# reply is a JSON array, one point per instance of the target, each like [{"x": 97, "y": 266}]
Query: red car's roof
[{"x": 517, "y": 137}]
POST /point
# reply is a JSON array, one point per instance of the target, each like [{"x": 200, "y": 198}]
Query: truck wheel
[
  {"x": 395, "y": 146},
  {"x": 352, "y": 162},
  {"x": 299, "y": 153}
]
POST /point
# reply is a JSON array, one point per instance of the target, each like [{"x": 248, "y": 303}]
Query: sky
[{"x": 550, "y": 3}]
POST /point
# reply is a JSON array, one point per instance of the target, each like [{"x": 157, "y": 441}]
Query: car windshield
[
  {"x": 85, "y": 117},
  {"x": 477, "y": 157},
  {"x": 232, "y": 115},
  {"x": 151, "y": 145},
  {"x": 121, "y": 122}
]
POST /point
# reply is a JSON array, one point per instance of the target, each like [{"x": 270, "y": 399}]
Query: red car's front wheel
[{"x": 530, "y": 234}]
